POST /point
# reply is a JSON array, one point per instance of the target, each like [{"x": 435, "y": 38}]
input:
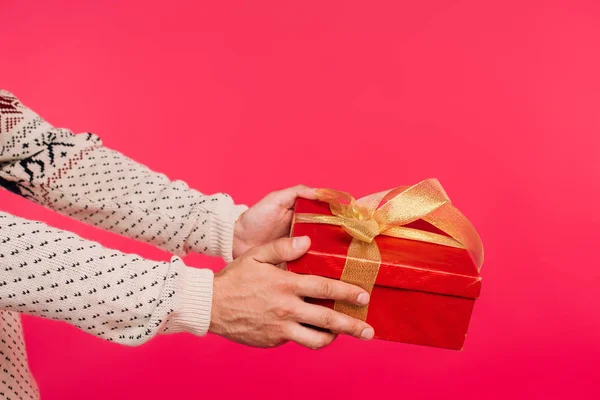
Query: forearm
[
  {"x": 119, "y": 297},
  {"x": 76, "y": 176}
]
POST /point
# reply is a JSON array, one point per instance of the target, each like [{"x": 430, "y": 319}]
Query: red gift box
[{"x": 423, "y": 292}]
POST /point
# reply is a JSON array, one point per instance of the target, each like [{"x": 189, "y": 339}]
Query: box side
[{"x": 419, "y": 318}]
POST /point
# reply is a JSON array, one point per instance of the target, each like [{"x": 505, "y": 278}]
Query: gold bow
[{"x": 387, "y": 213}]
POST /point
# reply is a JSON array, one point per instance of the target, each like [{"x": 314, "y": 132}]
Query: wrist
[
  {"x": 215, "y": 326},
  {"x": 239, "y": 244}
]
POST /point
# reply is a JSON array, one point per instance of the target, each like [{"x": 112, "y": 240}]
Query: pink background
[{"x": 500, "y": 102}]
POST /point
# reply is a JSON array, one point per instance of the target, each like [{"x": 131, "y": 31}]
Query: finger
[
  {"x": 310, "y": 338},
  {"x": 324, "y": 288},
  {"x": 287, "y": 197},
  {"x": 334, "y": 321},
  {"x": 281, "y": 250}
]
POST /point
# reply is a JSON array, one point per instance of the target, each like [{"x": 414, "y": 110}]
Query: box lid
[{"x": 406, "y": 264}]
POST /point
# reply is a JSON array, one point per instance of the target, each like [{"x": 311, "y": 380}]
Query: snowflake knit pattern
[{"x": 58, "y": 275}]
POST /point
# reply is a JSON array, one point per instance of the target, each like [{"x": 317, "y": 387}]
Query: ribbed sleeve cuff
[
  {"x": 221, "y": 232},
  {"x": 193, "y": 303},
  {"x": 213, "y": 233},
  {"x": 214, "y": 227}
]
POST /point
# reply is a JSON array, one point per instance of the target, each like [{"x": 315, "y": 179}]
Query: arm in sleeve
[
  {"x": 120, "y": 297},
  {"x": 74, "y": 174}
]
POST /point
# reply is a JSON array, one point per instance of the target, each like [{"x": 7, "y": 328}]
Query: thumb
[{"x": 282, "y": 250}]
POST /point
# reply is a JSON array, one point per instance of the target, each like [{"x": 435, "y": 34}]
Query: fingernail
[
  {"x": 367, "y": 334},
  {"x": 363, "y": 298},
  {"x": 300, "y": 242}
]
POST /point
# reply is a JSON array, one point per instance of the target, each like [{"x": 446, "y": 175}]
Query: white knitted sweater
[{"x": 56, "y": 274}]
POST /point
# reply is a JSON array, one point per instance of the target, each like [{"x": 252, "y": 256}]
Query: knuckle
[
  {"x": 269, "y": 197},
  {"x": 286, "y": 285},
  {"x": 275, "y": 336},
  {"x": 350, "y": 291},
  {"x": 320, "y": 343},
  {"x": 286, "y": 332},
  {"x": 325, "y": 288},
  {"x": 279, "y": 248},
  {"x": 251, "y": 254},
  {"x": 283, "y": 312},
  {"x": 356, "y": 328},
  {"x": 277, "y": 194},
  {"x": 329, "y": 339},
  {"x": 328, "y": 319}
]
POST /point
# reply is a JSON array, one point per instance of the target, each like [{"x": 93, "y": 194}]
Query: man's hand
[
  {"x": 267, "y": 220},
  {"x": 258, "y": 304}
]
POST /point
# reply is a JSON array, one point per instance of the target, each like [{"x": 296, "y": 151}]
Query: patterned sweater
[{"x": 55, "y": 274}]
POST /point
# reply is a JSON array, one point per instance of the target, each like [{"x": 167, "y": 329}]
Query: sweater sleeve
[
  {"x": 74, "y": 174},
  {"x": 119, "y": 297}
]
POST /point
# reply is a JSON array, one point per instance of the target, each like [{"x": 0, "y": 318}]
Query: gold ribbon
[{"x": 387, "y": 213}]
